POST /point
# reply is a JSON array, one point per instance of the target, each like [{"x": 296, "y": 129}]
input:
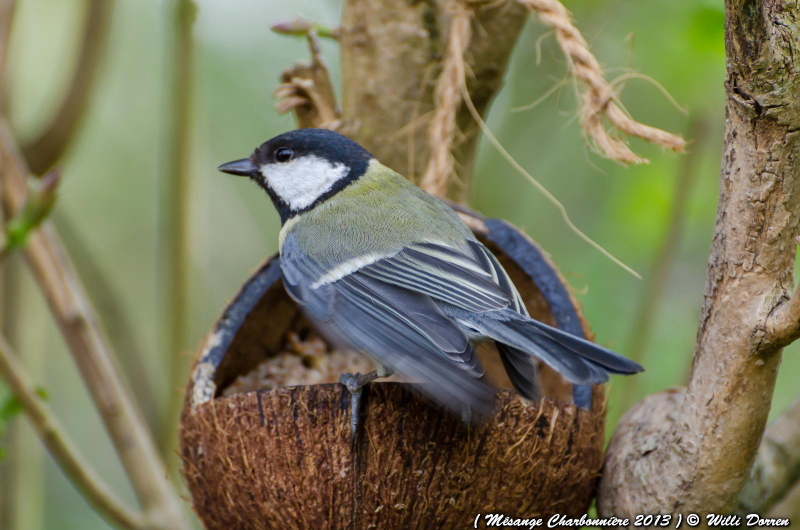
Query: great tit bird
[{"x": 384, "y": 268}]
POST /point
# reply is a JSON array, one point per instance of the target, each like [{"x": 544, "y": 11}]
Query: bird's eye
[{"x": 283, "y": 154}]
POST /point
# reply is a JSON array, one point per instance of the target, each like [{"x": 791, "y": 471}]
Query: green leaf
[
  {"x": 42, "y": 195},
  {"x": 11, "y": 407}
]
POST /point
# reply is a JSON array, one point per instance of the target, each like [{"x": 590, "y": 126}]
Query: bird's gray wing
[
  {"x": 468, "y": 278},
  {"x": 472, "y": 280},
  {"x": 401, "y": 329},
  {"x": 299, "y": 274}
]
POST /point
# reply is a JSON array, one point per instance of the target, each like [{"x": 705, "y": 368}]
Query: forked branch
[
  {"x": 80, "y": 326},
  {"x": 391, "y": 103},
  {"x": 691, "y": 450},
  {"x": 307, "y": 90},
  {"x": 47, "y": 426}
]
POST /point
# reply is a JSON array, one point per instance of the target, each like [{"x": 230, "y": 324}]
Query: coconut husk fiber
[{"x": 265, "y": 432}]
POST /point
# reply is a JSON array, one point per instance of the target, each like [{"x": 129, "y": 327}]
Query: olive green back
[{"x": 378, "y": 214}]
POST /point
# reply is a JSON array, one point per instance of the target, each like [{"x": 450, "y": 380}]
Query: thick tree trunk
[
  {"x": 692, "y": 449},
  {"x": 391, "y": 59}
]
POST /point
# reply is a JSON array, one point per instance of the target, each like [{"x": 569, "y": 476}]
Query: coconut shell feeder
[{"x": 265, "y": 431}]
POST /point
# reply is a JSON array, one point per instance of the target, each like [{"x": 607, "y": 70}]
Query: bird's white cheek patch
[{"x": 301, "y": 182}]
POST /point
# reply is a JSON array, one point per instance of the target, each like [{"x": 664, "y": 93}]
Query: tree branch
[
  {"x": 307, "y": 90},
  {"x": 47, "y": 148},
  {"x": 176, "y": 223},
  {"x": 7, "y": 9},
  {"x": 391, "y": 102},
  {"x": 9, "y": 326},
  {"x": 9, "y": 297},
  {"x": 81, "y": 329},
  {"x": 777, "y": 466},
  {"x": 301, "y": 27},
  {"x": 442, "y": 130},
  {"x": 788, "y": 506},
  {"x": 692, "y": 449},
  {"x": 80, "y": 473},
  {"x": 783, "y": 326}
]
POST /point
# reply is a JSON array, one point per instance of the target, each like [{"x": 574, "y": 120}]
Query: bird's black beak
[{"x": 242, "y": 168}]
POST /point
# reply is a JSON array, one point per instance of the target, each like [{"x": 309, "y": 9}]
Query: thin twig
[
  {"x": 24, "y": 476},
  {"x": 656, "y": 282},
  {"x": 307, "y": 90},
  {"x": 9, "y": 301},
  {"x": 177, "y": 182},
  {"x": 77, "y": 469},
  {"x": 47, "y": 148},
  {"x": 600, "y": 98},
  {"x": 10, "y": 471},
  {"x": 7, "y": 9},
  {"x": 24, "y": 449},
  {"x": 80, "y": 326},
  {"x": 301, "y": 27},
  {"x": 442, "y": 131}
]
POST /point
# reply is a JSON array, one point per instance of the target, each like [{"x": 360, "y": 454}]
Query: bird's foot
[
  {"x": 466, "y": 415},
  {"x": 354, "y": 383}
]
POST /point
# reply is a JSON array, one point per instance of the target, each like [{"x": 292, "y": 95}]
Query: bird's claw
[
  {"x": 466, "y": 414},
  {"x": 353, "y": 383}
]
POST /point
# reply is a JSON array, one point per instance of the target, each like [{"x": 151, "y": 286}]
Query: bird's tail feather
[
  {"x": 582, "y": 362},
  {"x": 608, "y": 359},
  {"x": 522, "y": 371}
]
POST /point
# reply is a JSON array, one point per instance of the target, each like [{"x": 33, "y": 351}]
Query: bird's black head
[{"x": 301, "y": 168}]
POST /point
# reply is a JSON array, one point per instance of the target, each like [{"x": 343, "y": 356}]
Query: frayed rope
[
  {"x": 442, "y": 129},
  {"x": 600, "y": 98}
]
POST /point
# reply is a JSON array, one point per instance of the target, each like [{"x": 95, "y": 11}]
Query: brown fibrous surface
[{"x": 285, "y": 458}]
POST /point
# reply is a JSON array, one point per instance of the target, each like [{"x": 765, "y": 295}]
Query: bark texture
[
  {"x": 692, "y": 449},
  {"x": 777, "y": 466},
  {"x": 391, "y": 59}
]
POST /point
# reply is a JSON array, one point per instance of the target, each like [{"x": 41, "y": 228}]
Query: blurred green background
[{"x": 111, "y": 191}]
